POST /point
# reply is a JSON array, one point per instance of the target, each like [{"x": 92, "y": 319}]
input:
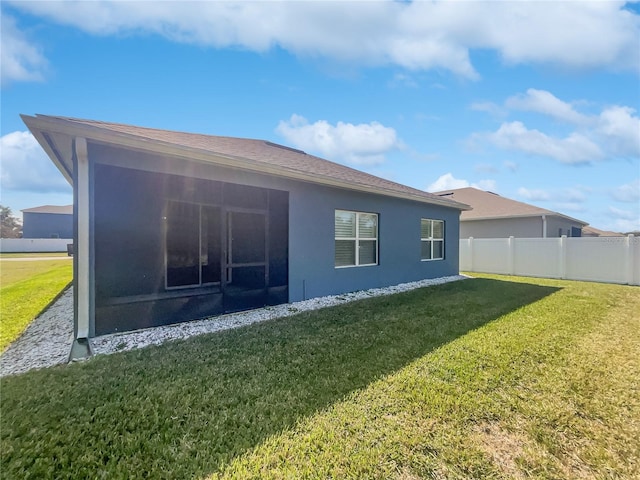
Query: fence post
[
  {"x": 512, "y": 253},
  {"x": 563, "y": 257},
  {"x": 471, "y": 254},
  {"x": 629, "y": 260}
]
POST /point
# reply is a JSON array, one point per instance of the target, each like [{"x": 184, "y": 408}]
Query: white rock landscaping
[{"x": 47, "y": 341}]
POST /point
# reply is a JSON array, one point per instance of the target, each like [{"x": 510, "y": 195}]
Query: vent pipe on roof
[{"x": 277, "y": 145}]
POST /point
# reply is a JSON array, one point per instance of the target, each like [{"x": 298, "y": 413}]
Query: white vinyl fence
[
  {"x": 10, "y": 245},
  {"x": 597, "y": 259}
]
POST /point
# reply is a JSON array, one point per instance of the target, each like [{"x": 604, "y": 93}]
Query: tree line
[{"x": 11, "y": 226}]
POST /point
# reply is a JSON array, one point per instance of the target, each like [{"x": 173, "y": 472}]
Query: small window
[
  {"x": 431, "y": 239},
  {"x": 356, "y": 237}
]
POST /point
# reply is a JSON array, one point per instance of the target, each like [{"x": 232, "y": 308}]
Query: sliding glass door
[
  {"x": 209, "y": 245},
  {"x": 247, "y": 272},
  {"x": 193, "y": 245}
]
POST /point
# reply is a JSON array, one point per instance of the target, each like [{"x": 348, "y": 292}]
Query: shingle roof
[
  {"x": 491, "y": 205},
  {"x": 256, "y": 154},
  {"x": 58, "y": 209},
  {"x": 596, "y": 232}
]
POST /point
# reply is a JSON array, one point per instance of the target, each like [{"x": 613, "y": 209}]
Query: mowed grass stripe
[
  {"x": 26, "y": 288},
  {"x": 437, "y": 382},
  {"x": 521, "y": 397},
  {"x": 14, "y": 271},
  {"x": 32, "y": 254}
]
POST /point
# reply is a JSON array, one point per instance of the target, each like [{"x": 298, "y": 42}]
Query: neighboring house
[
  {"x": 596, "y": 232},
  {"x": 175, "y": 226},
  {"x": 493, "y": 216},
  {"x": 48, "y": 221}
]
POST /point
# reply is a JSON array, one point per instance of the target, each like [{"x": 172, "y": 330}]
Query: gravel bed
[
  {"x": 119, "y": 342},
  {"x": 47, "y": 341}
]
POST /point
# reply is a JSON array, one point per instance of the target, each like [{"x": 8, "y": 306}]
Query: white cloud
[
  {"x": 567, "y": 33},
  {"x": 614, "y": 132},
  {"x": 511, "y": 166},
  {"x": 449, "y": 182},
  {"x": 362, "y": 144},
  {"x": 629, "y": 192},
  {"x": 489, "y": 107},
  {"x": 21, "y": 60},
  {"x": 485, "y": 168},
  {"x": 571, "y": 197},
  {"x": 624, "y": 220},
  {"x": 621, "y": 130},
  {"x": 622, "y": 214},
  {"x": 514, "y": 136},
  {"x": 622, "y": 225},
  {"x": 576, "y": 207},
  {"x": 403, "y": 80},
  {"x": 412, "y": 35},
  {"x": 574, "y": 194},
  {"x": 534, "y": 195},
  {"x": 546, "y": 103},
  {"x": 490, "y": 185},
  {"x": 25, "y": 166}
]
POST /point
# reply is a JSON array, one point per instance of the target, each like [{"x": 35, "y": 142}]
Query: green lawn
[
  {"x": 25, "y": 289},
  {"x": 32, "y": 254},
  {"x": 497, "y": 377}
]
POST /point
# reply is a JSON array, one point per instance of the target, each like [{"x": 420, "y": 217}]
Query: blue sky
[{"x": 536, "y": 101}]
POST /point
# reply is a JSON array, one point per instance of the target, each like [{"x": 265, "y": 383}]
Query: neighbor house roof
[
  {"x": 596, "y": 232},
  {"x": 57, "y": 209},
  {"x": 56, "y": 135},
  {"x": 489, "y": 205}
]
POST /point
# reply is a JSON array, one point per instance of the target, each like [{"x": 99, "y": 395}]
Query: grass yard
[
  {"x": 497, "y": 377},
  {"x": 25, "y": 289},
  {"x": 32, "y": 254}
]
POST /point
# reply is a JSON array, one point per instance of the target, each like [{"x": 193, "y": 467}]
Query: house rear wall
[
  {"x": 47, "y": 225},
  {"x": 522, "y": 227},
  {"x": 526, "y": 227},
  {"x": 312, "y": 242},
  {"x": 558, "y": 226},
  {"x": 311, "y": 226}
]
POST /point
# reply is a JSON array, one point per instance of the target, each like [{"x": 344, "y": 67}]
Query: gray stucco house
[
  {"x": 494, "y": 216},
  {"x": 48, "y": 221},
  {"x": 172, "y": 226}
]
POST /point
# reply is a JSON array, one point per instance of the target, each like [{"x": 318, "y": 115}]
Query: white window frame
[
  {"x": 357, "y": 239},
  {"x": 432, "y": 239}
]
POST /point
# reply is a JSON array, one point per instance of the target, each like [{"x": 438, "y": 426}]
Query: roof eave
[
  {"x": 41, "y": 124},
  {"x": 526, "y": 215},
  {"x": 34, "y": 125}
]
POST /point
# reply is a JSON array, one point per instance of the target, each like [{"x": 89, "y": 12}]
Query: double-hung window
[
  {"x": 356, "y": 235},
  {"x": 432, "y": 239}
]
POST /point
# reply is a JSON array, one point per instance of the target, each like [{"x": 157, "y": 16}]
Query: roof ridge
[
  {"x": 267, "y": 142},
  {"x": 245, "y": 153},
  {"x": 526, "y": 209},
  {"x": 153, "y": 129}
]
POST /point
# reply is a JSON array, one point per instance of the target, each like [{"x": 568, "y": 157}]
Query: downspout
[
  {"x": 82, "y": 254},
  {"x": 544, "y": 226}
]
